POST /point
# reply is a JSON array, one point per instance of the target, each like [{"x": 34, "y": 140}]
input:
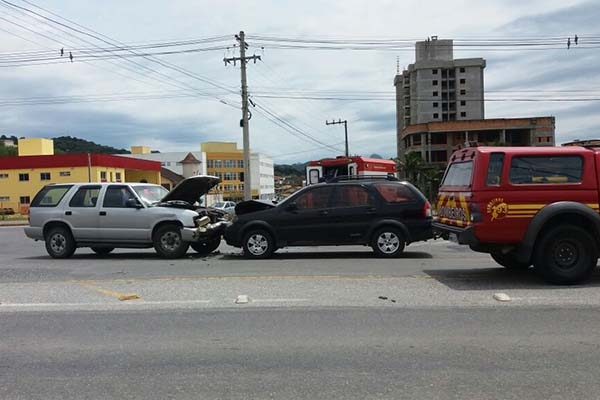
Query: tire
[
  {"x": 565, "y": 255},
  {"x": 258, "y": 243},
  {"x": 168, "y": 242},
  {"x": 509, "y": 261},
  {"x": 388, "y": 242},
  {"x": 102, "y": 251},
  {"x": 60, "y": 242},
  {"x": 207, "y": 246}
]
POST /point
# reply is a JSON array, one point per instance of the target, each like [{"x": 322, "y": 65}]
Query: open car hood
[
  {"x": 190, "y": 189},
  {"x": 250, "y": 206}
]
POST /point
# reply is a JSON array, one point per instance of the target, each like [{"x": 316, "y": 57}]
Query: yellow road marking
[{"x": 119, "y": 296}]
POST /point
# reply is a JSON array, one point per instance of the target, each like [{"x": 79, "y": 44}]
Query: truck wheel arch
[{"x": 562, "y": 210}]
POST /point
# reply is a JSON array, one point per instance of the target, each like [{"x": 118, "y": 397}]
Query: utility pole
[
  {"x": 245, "y": 112},
  {"x": 345, "y": 122}
]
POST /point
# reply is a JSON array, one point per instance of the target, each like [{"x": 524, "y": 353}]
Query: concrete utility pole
[
  {"x": 245, "y": 112},
  {"x": 345, "y": 122}
]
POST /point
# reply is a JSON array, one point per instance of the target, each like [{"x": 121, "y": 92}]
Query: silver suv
[{"x": 105, "y": 216}]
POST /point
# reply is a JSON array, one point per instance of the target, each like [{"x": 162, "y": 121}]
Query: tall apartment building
[
  {"x": 438, "y": 87},
  {"x": 440, "y": 105}
]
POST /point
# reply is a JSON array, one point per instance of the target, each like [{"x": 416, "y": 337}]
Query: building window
[
  {"x": 3, "y": 176},
  {"x": 463, "y": 114},
  {"x": 64, "y": 173},
  {"x": 435, "y": 94},
  {"x": 463, "y": 91},
  {"x": 463, "y": 103},
  {"x": 4, "y": 198},
  {"x": 434, "y": 71},
  {"x": 462, "y": 70},
  {"x": 118, "y": 176},
  {"x": 435, "y": 103},
  {"x": 45, "y": 176},
  {"x": 463, "y": 81},
  {"x": 210, "y": 164},
  {"x": 23, "y": 177},
  {"x": 434, "y": 82},
  {"x": 240, "y": 163},
  {"x": 218, "y": 164},
  {"x": 436, "y": 115},
  {"x": 24, "y": 200},
  {"x": 103, "y": 176}
]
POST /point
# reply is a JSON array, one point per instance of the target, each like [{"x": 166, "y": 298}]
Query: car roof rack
[{"x": 343, "y": 178}]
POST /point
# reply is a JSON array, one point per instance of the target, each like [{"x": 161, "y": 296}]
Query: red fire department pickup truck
[{"x": 525, "y": 206}]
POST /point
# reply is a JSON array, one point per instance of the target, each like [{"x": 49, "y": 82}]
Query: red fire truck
[{"x": 320, "y": 170}]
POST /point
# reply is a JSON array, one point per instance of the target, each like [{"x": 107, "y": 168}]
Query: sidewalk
[{"x": 14, "y": 222}]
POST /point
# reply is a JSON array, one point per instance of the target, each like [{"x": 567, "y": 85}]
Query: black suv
[{"x": 385, "y": 214}]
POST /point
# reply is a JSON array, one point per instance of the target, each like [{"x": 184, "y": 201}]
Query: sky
[{"x": 118, "y": 95}]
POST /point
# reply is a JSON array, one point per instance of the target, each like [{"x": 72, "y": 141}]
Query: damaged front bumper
[{"x": 204, "y": 230}]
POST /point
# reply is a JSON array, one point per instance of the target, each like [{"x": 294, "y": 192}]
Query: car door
[
  {"x": 351, "y": 213},
  {"x": 305, "y": 219},
  {"x": 118, "y": 222},
  {"x": 82, "y": 213}
]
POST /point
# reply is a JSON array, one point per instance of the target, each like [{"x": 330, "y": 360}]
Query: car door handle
[
  {"x": 68, "y": 213},
  {"x": 371, "y": 210},
  {"x": 102, "y": 213},
  {"x": 324, "y": 212}
]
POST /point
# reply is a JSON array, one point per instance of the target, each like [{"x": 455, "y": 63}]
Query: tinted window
[
  {"x": 395, "y": 193},
  {"x": 117, "y": 196},
  {"x": 50, "y": 196},
  {"x": 352, "y": 196},
  {"x": 494, "y": 173},
  {"x": 86, "y": 196},
  {"x": 314, "y": 198},
  {"x": 546, "y": 169},
  {"x": 459, "y": 174}
]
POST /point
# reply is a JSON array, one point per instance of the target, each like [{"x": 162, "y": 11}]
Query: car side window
[
  {"x": 494, "y": 172},
  {"x": 117, "y": 196},
  {"x": 314, "y": 198},
  {"x": 394, "y": 193},
  {"x": 86, "y": 196},
  {"x": 352, "y": 196},
  {"x": 546, "y": 169}
]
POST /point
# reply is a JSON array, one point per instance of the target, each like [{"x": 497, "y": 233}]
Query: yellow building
[
  {"x": 226, "y": 161},
  {"x": 22, "y": 176}
]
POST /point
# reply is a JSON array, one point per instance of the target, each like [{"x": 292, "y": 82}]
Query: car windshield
[
  {"x": 218, "y": 205},
  {"x": 150, "y": 194}
]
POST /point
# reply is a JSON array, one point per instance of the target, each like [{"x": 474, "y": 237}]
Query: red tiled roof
[{"x": 77, "y": 160}]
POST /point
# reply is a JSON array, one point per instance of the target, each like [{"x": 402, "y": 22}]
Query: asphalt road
[
  {"x": 319, "y": 323},
  {"x": 339, "y": 353}
]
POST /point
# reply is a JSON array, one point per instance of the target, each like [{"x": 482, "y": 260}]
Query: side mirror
[{"x": 133, "y": 203}]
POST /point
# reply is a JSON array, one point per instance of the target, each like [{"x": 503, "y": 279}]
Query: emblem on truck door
[{"x": 497, "y": 208}]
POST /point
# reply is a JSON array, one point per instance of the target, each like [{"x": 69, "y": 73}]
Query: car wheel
[
  {"x": 102, "y": 250},
  {"x": 258, "y": 244},
  {"x": 207, "y": 246},
  {"x": 60, "y": 242},
  {"x": 566, "y": 254},
  {"x": 168, "y": 242},
  {"x": 388, "y": 242},
  {"x": 509, "y": 261}
]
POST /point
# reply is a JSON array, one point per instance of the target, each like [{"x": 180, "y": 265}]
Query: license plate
[{"x": 453, "y": 238}]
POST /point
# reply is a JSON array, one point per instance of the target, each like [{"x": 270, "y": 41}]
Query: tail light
[
  {"x": 475, "y": 212},
  {"x": 427, "y": 209}
]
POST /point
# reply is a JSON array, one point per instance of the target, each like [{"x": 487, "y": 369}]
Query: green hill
[{"x": 68, "y": 144}]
